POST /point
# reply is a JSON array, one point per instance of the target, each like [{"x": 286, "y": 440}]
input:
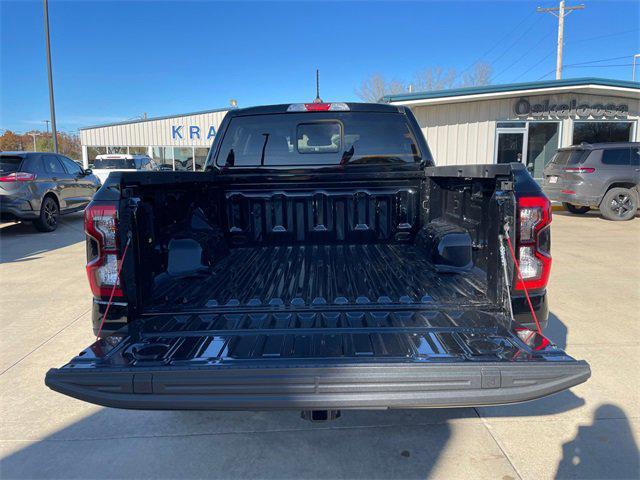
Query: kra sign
[
  {"x": 523, "y": 108},
  {"x": 192, "y": 132}
]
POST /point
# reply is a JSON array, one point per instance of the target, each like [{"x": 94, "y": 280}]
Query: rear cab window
[
  {"x": 319, "y": 138},
  {"x": 114, "y": 163}
]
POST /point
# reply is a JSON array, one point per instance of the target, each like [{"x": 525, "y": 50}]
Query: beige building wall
[
  {"x": 465, "y": 132},
  {"x": 147, "y": 133}
]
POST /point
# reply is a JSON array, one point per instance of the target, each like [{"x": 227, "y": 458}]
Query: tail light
[
  {"x": 318, "y": 107},
  {"x": 18, "y": 177},
  {"x": 534, "y": 242},
  {"x": 101, "y": 228},
  {"x": 580, "y": 169}
]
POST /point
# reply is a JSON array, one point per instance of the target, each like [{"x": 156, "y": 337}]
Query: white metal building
[
  {"x": 180, "y": 141},
  {"x": 524, "y": 122},
  {"x": 498, "y": 123}
]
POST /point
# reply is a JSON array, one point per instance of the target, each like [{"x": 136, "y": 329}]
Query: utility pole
[
  {"x": 33, "y": 134},
  {"x": 51, "y": 103},
  {"x": 562, "y": 12},
  {"x": 633, "y": 70}
]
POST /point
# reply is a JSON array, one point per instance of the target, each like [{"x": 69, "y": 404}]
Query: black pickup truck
[{"x": 320, "y": 262}]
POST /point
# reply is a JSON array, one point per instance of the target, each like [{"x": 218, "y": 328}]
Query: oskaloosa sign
[{"x": 524, "y": 108}]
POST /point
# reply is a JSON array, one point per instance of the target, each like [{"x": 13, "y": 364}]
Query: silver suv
[{"x": 598, "y": 175}]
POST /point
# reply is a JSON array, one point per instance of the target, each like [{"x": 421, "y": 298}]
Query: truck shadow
[
  {"x": 127, "y": 444},
  {"x": 21, "y": 242},
  {"x": 556, "y": 331},
  {"x": 604, "y": 449}
]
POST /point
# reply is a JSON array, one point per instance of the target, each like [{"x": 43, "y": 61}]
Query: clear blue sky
[{"x": 116, "y": 60}]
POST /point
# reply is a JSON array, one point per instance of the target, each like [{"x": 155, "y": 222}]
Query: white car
[{"x": 103, "y": 165}]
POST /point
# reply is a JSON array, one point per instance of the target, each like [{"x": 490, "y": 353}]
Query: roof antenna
[{"x": 317, "y": 99}]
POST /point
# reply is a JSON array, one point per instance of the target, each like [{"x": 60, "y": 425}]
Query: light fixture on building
[{"x": 234, "y": 103}]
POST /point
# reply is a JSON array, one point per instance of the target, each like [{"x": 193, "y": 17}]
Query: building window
[
  {"x": 121, "y": 150},
  {"x": 183, "y": 158},
  {"x": 93, "y": 152},
  {"x": 602, "y": 132},
  {"x": 542, "y": 143},
  {"x": 138, "y": 150},
  {"x": 531, "y": 143},
  {"x": 200, "y": 157},
  {"x": 163, "y": 156},
  {"x": 511, "y": 124}
]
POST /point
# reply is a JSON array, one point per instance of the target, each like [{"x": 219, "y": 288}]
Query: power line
[
  {"x": 590, "y": 64},
  {"x": 504, "y": 52},
  {"x": 535, "y": 65},
  {"x": 598, "y": 37},
  {"x": 603, "y": 36},
  {"x": 526, "y": 53},
  {"x": 599, "y": 66},
  {"x": 499, "y": 42},
  {"x": 598, "y": 61}
]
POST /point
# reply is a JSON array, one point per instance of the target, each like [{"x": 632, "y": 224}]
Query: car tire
[
  {"x": 49, "y": 213},
  {"x": 577, "y": 209},
  {"x": 619, "y": 204}
]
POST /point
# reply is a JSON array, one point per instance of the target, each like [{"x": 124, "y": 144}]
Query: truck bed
[{"x": 305, "y": 275}]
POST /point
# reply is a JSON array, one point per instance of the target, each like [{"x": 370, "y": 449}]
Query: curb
[{"x": 557, "y": 208}]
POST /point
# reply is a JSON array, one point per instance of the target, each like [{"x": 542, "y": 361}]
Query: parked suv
[
  {"x": 598, "y": 175},
  {"x": 38, "y": 187}
]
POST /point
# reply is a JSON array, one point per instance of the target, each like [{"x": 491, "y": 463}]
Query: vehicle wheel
[
  {"x": 570, "y": 207},
  {"x": 49, "y": 213},
  {"x": 619, "y": 204}
]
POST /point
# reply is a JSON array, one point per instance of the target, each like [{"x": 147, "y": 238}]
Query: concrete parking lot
[{"x": 591, "y": 431}]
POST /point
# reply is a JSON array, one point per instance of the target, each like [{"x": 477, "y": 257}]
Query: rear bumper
[
  {"x": 16, "y": 208},
  {"x": 522, "y": 311},
  {"x": 578, "y": 198},
  {"x": 318, "y": 388}
]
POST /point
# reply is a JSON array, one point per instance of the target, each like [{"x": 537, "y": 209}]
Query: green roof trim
[
  {"x": 151, "y": 119},
  {"x": 511, "y": 87}
]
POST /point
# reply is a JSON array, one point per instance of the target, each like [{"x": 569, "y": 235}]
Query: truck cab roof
[{"x": 287, "y": 108}]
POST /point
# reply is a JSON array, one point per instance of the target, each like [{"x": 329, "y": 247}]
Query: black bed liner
[{"x": 320, "y": 275}]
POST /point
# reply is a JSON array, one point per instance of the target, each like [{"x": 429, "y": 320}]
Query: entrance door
[{"x": 511, "y": 144}]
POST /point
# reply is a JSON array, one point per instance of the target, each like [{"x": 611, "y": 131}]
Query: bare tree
[
  {"x": 479, "y": 75},
  {"x": 435, "y": 78},
  {"x": 376, "y": 87}
]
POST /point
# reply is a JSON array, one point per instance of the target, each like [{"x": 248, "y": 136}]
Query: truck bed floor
[{"x": 308, "y": 275}]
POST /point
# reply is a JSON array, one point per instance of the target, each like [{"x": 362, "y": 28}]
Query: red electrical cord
[{"x": 113, "y": 290}]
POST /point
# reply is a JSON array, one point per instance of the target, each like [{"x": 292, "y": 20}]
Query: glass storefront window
[
  {"x": 163, "y": 156},
  {"x": 533, "y": 143},
  {"x": 601, "y": 132},
  {"x": 542, "y": 144},
  {"x": 509, "y": 147},
  {"x": 138, "y": 150},
  {"x": 93, "y": 152},
  {"x": 183, "y": 158},
  {"x": 200, "y": 156},
  {"x": 123, "y": 150}
]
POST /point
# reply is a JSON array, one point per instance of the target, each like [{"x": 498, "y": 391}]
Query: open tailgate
[{"x": 312, "y": 360}]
